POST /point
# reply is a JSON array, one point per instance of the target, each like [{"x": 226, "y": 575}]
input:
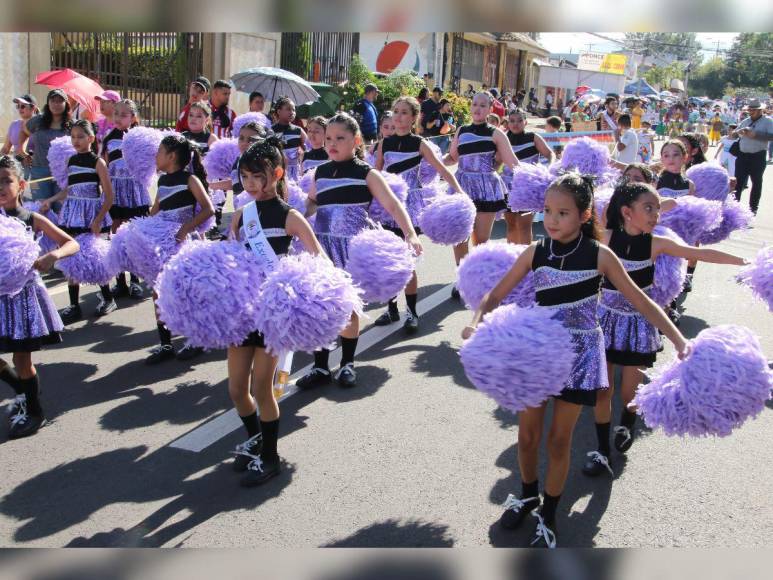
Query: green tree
[
  {"x": 750, "y": 60},
  {"x": 709, "y": 79},
  {"x": 661, "y": 75}
]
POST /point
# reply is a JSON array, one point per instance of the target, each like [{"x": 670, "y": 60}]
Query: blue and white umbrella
[{"x": 274, "y": 83}]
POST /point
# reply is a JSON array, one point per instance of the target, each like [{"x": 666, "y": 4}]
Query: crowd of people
[{"x": 583, "y": 255}]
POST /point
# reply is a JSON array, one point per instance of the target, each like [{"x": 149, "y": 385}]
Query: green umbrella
[{"x": 326, "y": 105}]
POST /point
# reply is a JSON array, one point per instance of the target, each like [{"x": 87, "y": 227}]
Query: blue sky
[{"x": 580, "y": 41}]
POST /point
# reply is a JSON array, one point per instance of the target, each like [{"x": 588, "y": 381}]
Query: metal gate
[
  {"x": 319, "y": 56},
  {"x": 151, "y": 68}
]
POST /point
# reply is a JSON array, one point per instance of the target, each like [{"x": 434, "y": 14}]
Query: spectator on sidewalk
[
  {"x": 197, "y": 91},
  {"x": 222, "y": 115},
  {"x": 368, "y": 113},
  {"x": 257, "y": 102},
  {"x": 626, "y": 141},
  {"x": 428, "y": 109},
  {"x": 755, "y": 131}
]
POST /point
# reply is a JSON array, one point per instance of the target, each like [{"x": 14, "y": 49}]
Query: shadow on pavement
[{"x": 395, "y": 534}]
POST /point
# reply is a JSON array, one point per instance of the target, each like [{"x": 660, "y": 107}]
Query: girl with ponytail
[{"x": 568, "y": 267}]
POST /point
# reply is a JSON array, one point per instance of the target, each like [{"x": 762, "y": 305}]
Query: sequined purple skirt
[
  {"x": 293, "y": 170},
  {"x": 335, "y": 225},
  {"x": 29, "y": 319},
  {"x": 130, "y": 199},
  {"x": 79, "y": 208},
  {"x": 629, "y": 339},
  {"x": 487, "y": 190}
]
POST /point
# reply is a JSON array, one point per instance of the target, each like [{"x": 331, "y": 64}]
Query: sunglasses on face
[{"x": 20, "y": 106}]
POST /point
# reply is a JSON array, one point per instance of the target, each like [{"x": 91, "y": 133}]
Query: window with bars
[{"x": 472, "y": 61}]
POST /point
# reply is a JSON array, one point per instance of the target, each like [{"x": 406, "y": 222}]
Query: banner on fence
[{"x": 561, "y": 139}]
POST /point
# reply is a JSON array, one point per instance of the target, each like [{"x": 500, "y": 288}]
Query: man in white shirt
[{"x": 626, "y": 141}]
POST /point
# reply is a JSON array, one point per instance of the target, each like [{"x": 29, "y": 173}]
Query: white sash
[
  {"x": 610, "y": 121},
  {"x": 268, "y": 260}
]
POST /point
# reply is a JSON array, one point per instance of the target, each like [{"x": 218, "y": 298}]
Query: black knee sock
[
  {"x": 627, "y": 419},
  {"x": 321, "y": 358},
  {"x": 690, "y": 270},
  {"x": 9, "y": 376},
  {"x": 270, "y": 430},
  {"x": 106, "y": 294},
  {"x": 31, "y": 388},
  {"x": 411, "y": 300},
  {"x": 218, "y": 214},
  {"x": 392, "y": 305},
  {"x": 133, "y": 278},
  {"x": 121, "y": 280},
  {"x": 251, "y": 423},
  {"x": 348, "y": 346},
  {"x": 602, "y": 432},
  {"x": 530, "y": 489},
  {"x": 548, "y": 511},
  {"x": 164, "y": 334},
  {"x": 74, "y": 290}
]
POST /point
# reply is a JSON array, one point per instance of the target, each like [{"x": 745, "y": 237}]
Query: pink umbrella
[
  {"x": 581, "y": 90},
  {"x": 75, "y": 85}
]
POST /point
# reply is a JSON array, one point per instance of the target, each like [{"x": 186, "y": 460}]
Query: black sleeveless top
[
  {"x": 523, "y": 146},
  {"x": 584, "y": 258},
  {"x": 116, "y": 152},
  {"x": 673, "y": 184},
  {"x": 316, "y": 155},
  {"x": 290, "y": 134},
  {"x": 236, "y": 180},
  {"x": 273, "y": 219},
  {"x": 173, "y": 191},
  {"x": 342, "y": 182},
  {"x": 485, "y": 142},
  {"x": 84, "y": 169},
  {"x": 409, "y": 143},
  {"x": 201, "y": 139},
  {"x": 22, "y": 214},
  {"x": 633, "y": 249}
]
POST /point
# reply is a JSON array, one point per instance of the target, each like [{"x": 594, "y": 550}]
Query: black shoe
[
  {"x": 106, "y": 307},
  {"x": 596, "y": 464},
  {"x": 16, "y": 404},
  {"x": 516, "y": 509},
  {"x": 623, "y": 438},
  {"x": 687, "y": 283},
  {"x": 673, "y": 315},
  {"x": 387, "y": 318},
  {"x": 247, "y": 451},
  {"x": 346, "y": 376},
  {"x": 455, "y": 293},
  {"x": 119, "y": 291},
  {"x": 314, "y": 378},
  {"x": 189, "y": 352},
  {"x": 71, "y": 314},
  {"x": 135, "y": 291},
  {"x": 411, "y": 324},
  {"x": 545, "y": 534},
  {"x": 23, "y": 424},
  {"x": 259, "y": 471},
  {"x": 214, "y": 234},
  {"x": 160, "y": 354}
]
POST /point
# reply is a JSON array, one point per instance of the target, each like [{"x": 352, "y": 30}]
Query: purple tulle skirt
[
  {"x": 335, "y": 225},
  {"x": 418, "y": 197},
  {"x": 294, "y": 170},
  {"x": 29, "y": 320},
  {"x": 131, "y": 199},
  {"x": 486, "y": 190},
  {"x": 629, "y": 339},
  {"x": 81, "y": 206}
]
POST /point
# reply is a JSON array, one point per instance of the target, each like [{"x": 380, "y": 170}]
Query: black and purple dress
[
  {"x": 84, "y": 196},
  {"x": 567, "y": 281},
  {"x": 629, "y": 338},
  {"x": 130, "y": 197},
  {"x": 673, "y": 185},
  {"x": 291, "y": 139},
  {"x": 312, "y": 158},
  {"x": 476, "y": 172},
  {"x": 525, "y": 149}
]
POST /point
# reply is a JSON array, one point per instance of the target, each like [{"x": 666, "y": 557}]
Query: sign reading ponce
[{"x": 608, "y": 63}]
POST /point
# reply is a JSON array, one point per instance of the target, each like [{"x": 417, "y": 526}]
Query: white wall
[
  {"x": 247, "y": 51},
  {"x": 14, "y": 72}
]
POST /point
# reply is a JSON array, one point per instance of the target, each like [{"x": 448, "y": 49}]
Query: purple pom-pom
[
  {"x": 586, "y": 156},
  {"x": 307, "y": 179},
  {"x": 118, "y": 255},
  {"x": 427, "y": 173},
  {"x": 448, "y": 219},
  {"x": 92, "y": 264},
  {"x": 140, "y": 146},
  {"x": 220, "y": 158},
  {"x": 380, "y": 263},
  {"x": 152, "y": 243},
  {"x": 397, "y": 184},
  {"x": 711, "y": 181},
  {"x": 670, "y": 272},
  {"x": 724, "y": 381},
  {"x": 692, "y": 217},
  {"x": 735, "y": 216},
  {"x": 528, "y": 187},
  {"x": 758, "y": 276},
  {"x": 601, "y": 199},
  {"x": 519, "y": 356},
  {"x": 207, "y": 293},
  {"x": 485, "y": 266},
  {"x": 370, "y": 158},
  {"x": 18, "y": 252},
  {"x": 245, "y": 118},
  {"x": 59, "y": 152},
  {"x": 242, "y": 199},
  {"x": 217, "y": 196},
  {"x": 296, "y": 197},
  {"x": 305, "y": 303}
]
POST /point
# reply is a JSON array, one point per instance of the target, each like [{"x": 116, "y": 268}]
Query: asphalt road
[{"x": 414, "y": 456}]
